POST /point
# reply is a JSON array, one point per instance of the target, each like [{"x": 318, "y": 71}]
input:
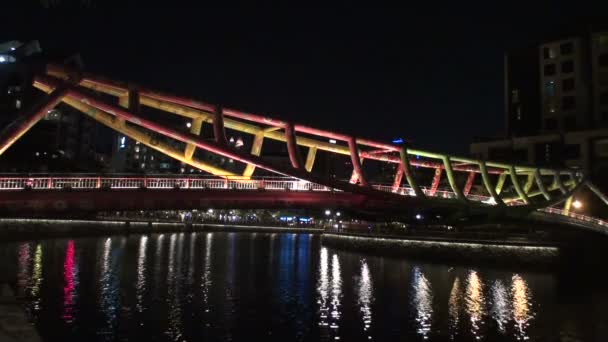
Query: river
[{"x": 286, "y": 287}]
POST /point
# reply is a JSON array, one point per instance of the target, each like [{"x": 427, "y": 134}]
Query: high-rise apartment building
[{"x": 556, "y": 104}]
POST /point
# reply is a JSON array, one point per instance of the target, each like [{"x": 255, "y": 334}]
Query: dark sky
[{"x": 433, "y": 75}]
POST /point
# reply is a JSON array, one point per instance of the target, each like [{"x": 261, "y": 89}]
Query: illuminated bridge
[{"x": 474, "y": 188}]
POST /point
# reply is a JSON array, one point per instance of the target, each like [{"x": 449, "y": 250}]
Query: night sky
[{"x": 433, "y": 75}]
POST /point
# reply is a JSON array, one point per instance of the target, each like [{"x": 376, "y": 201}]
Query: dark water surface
[{"x": 285, "y": 287}]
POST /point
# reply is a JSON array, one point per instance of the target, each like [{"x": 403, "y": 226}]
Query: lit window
[
  {"x": 7, "y": 59},
  {"x": 143, "y": 165},
  {"x": 518, "y": 111},
  {"x": 18, "y": 104},
  {"x": 549, "y": 53},
  {"x": 136, "y": 156},
  {"x": 136, "y": 148}
]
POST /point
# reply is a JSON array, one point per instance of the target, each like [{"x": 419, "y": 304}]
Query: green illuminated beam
[
  {"x": 451, "y": 179},
  {"x": 407, "y": 169},
  {"x": 541, "y": 186},
  {"x": 488, "y": 184},
  {"x": 515, "y": 181}
]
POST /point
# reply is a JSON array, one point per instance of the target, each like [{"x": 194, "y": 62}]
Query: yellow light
[{"x": 577, "y": 204}]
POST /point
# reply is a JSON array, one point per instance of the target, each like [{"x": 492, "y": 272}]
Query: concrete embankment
[
  {"x": 37, "y": 228},
  {"x": 466, "y": 251},
  {"x": 452, "y": 251}
]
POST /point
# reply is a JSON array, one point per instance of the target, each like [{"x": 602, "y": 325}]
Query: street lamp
[
  {"x": 577, "y": 204},
  {"x": 338, "y": 213},
  {"x": 327, "y": 212}
]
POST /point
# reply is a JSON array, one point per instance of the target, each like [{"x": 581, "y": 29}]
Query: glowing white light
[
  {"x": 2, "y": 59},
  {"x": 418, "y": 217},
  {"x": 188, "y": 124},
  {"x": 338, "y": 213},
  {"x": 210, "y": 211},
  {"x": 577, "y": 204},
  {"x": 12, "y": 49},
  {"x": 327, "y": 212},
  {"x": 332, "y": 141}
]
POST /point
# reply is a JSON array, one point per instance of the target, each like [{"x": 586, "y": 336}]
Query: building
[
  {"x": 64, "y": 140},
  {"x": 556, "y": 105}
]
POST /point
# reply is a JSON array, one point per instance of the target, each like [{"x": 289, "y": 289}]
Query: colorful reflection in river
[
  {"x": 186, "y": 287},
  {"x": 70, "y": 276}
]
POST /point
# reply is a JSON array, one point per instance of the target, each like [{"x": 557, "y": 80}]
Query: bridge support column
[
  {"x": 398, "y": 178},
  {"x": 131, "y": 101},
  {"x": 219, "y": 133},
  {"x": 529, "y": 182},
  {"x": 501, "y": 182},
  {"x": 292, "y": 146},
  {"x": 407, "y": 170},
  {"x": 196, "y": 130},
  {"x": 256, "y": 150},
  {"x": 451, "y": 179},
  {"x": 541, "y": 185},
  {"x": 597, "y": 192},
  {"x": 469, "y": 184},
  {"x": 356, "y": 161},
  {"x": 310, "y": 158},
  {"x": 436, "y": 180},
  {"x": 27, "y": 120},
  {"x": 354, "y": 177},
  {"x": 520, "y": 191},
  {"x": 488, "y": 184},
  {"x": 558, "y": 182},
  {"x": 568, "y": 205}
]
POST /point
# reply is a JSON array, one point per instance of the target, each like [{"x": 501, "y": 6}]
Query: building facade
[{"x": 556, "y": 105}]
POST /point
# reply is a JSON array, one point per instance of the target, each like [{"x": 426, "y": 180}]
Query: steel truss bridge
[{"x": 474, "y": 187}]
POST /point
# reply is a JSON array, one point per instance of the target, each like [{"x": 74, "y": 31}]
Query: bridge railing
[
  {"x": 269, "y": 183},
  {"x": 579, "y": 217}
]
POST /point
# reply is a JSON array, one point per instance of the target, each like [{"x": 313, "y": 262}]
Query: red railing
[{"x": 268, "y": 183}]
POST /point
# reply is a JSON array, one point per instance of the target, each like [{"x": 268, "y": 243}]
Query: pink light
[{"x": 69, "y": 273}]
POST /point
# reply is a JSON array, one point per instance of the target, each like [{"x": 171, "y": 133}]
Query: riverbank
[
  {"x": 452, "y": 251},
  {"x": 16, "y": 228},
  {"x": 428, "y": 247}
]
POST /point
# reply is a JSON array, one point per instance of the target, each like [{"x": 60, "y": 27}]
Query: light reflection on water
[
  {"x": 500, "y": 305},
  {"x": 70, "y": 274},
  {"x": 454, "y": 308},
  {"x": 345, "y": 296},
  {"x": 422, "y": 302},
  {"x": 366, "y": 297},
  {"x": 475, "y": 303},
  {"x": 140, "y": 287},
  {"x": 522, "y": 313}
]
